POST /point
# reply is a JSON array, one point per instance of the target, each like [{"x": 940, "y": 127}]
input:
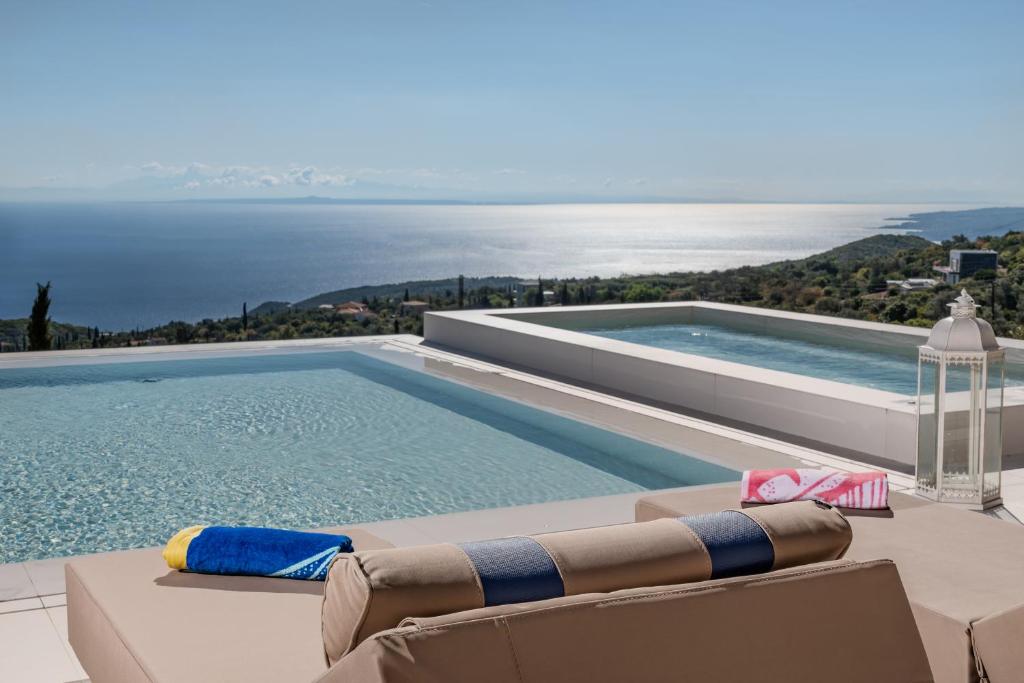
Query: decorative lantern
[{"x": 960, "y": 378}]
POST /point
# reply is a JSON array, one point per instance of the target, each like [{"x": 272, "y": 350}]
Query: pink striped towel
[{"x": 861, "y": 490}]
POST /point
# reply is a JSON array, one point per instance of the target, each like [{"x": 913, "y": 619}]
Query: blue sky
[{"x": 804, "y": 101}]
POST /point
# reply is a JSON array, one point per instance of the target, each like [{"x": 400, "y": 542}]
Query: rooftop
[{"x": 729, "y": 415}]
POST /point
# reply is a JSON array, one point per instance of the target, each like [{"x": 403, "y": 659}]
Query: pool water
[
  {"x": 121, "y": 455},
  {"x": 886, "y": 370}
]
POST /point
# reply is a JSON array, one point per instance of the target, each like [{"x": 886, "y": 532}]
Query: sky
[{"x": 513, "y": 101}]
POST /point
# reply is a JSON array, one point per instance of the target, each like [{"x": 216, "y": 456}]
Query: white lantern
[{"x": 960, "y": 378}]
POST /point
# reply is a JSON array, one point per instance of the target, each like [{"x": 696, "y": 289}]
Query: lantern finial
[{"x": 964, "y": 306}]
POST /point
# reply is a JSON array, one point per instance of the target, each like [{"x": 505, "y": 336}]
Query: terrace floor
[{"x": 33, "y": 613}]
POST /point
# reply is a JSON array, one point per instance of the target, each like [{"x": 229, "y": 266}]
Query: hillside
[
  {"x": 972, "y": 223},
  {"x": 416, "y": 288},
  {"x": 876, "y": 246},
  {"x": 13, "y": 333},
  {"x": 848, "y": 281}
]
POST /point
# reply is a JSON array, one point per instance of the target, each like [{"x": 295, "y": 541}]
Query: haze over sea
[{"x": 127, "y": 265}]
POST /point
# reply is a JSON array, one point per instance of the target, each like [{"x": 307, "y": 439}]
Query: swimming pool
[
  {"x": 104, "y": 456},
  {"x": 887, "y": 369}
]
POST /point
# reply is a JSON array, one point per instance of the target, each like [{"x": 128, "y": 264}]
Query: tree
[
  {"x": 39, "y": 338},
  {"x": 462, "y": 290},
  {"x": 406, "y": 296},
  {"x": 245, "y": 317}
]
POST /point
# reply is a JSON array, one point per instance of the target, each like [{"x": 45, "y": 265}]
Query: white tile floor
[{"x": 34, "y": 647}]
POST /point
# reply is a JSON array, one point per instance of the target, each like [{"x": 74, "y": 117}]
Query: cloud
[
  {"x": 198, "y": 175},
  {"x": 171, "y": 170},
  {"x": 311, "y": 175},
  {"x": 509, "y": 171}
]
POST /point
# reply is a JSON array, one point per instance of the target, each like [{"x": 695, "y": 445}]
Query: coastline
[{"x": 269, "y": 252}]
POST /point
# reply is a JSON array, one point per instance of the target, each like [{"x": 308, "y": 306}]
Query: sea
[{"x": 129, "y": 265}]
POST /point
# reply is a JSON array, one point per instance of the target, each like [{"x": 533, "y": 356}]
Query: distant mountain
[
  {"x": 872, "y": 247},
  {"x": 416, "y": 288},
  {"x": 270, "y": 307},
  {"x": 314, "y": 199},
  {"x": 974, "y": 223}
]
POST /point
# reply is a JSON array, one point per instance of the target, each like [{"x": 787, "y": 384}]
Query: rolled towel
[
  {"x": 858, "y": 490},
  {"x": 255, "y": 551}
]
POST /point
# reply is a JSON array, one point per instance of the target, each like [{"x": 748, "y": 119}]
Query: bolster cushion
[{"x": 373, "y": 590}]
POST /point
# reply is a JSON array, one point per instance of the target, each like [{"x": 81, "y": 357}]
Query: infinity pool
[
  {"x": 119, "y": 455},
  {"x": 888, "y": 370}
]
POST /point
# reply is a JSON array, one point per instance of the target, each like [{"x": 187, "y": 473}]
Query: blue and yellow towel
[{"x": 255, "y": 551}]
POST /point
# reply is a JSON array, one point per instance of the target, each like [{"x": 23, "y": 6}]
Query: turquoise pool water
[
  {"x": 864, "y": 366},
  {"x": 120, "y": 455}
]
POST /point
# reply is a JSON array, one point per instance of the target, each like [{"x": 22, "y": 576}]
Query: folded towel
[
  {"x": 255, "y": 551},
  {"x": 860, "y": 490}
]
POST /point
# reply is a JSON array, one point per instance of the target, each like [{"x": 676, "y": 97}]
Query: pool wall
[{"x": 826, "y": 413}]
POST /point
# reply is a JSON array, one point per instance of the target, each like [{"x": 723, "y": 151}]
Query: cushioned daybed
[
  {"x": 131, "y": 619},
  {"x": 963, "y": 571}
]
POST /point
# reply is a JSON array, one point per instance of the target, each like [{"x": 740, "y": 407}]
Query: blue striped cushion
[
  {"x": 516, "y": 569},
  {"x": 736, "y": 543}
]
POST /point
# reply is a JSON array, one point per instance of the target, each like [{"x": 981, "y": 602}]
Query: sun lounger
[
  {"x": 962, "y": 572},
  {"x": 130, "y": 618},
  {"x": 835, "y": 621},
  {"x": 133, "y": 620}
]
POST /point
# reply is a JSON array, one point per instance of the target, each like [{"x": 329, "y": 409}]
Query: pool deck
[{"x": 33, "y": 611}]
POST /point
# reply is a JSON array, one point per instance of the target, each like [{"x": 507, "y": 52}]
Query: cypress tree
[
  {"x": 39, "y": 321},
  {"x": 245, "y": 317},
  {"x": 462, "y": 290}
]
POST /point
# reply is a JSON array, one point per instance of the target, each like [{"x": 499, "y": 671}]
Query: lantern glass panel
[
  {"x": 960, "y": 437},
  {"x": 927, "y": 437},
  {"x": 993, "y": 446}
]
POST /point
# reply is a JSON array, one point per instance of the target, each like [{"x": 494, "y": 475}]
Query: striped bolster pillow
[{"x": 373, "y": 590}]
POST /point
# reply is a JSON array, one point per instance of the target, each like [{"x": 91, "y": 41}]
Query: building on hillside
[
  {"x": 416, "y": 308},
  {"x": 913, "y": 284},
  {"x": 520, "y": 288},
  {"x": 964, "y": 263},
  {"x": 352, "y": 308}
]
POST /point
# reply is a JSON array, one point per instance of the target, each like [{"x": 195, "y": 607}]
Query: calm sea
[{"x": 122, "y": 265}]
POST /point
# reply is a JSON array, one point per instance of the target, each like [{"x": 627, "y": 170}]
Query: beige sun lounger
[
  {"x": 133, "y": 620},
  {"x": 130, "y": 619},
  {"x": 963, "y": 572}
]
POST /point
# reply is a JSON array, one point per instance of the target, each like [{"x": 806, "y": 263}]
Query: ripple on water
[{"x": 117, "y": 464}]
